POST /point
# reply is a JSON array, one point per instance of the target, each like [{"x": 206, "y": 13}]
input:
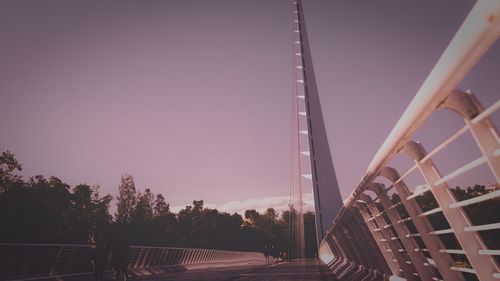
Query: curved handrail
[{"x": 478, "y": 33}]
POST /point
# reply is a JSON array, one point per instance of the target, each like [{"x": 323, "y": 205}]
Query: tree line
[{"x": 47, "y": 210}]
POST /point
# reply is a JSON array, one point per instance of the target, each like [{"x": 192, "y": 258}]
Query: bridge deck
[{"x": 309, "y": 270}]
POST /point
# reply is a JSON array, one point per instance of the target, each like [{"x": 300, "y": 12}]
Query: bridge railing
[
  {"x": 20, "y": 261},
  {"x": 144, "y": 257},
  {"x": 400, "y": 229},
  {"x": 39, "y": 261}
]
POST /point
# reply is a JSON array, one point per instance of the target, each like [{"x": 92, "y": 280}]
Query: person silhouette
[
  {"x": 266, "y": 253},
  {"x": 98, "y": 254}
]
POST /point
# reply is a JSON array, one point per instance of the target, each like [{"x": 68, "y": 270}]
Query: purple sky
[{"x": 193, "y": 97}]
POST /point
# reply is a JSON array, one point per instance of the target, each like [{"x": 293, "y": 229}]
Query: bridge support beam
[
  {"x": 417, "y": 259},
  {"x": 433, "y": 243},
  {"x": 361, "y": 235},
  {"x": 401, "y": 257},
  {"x": 389, "y": 258},
  {"x": 471, "y": 242},
  {"x": 482, "y": 129},
  {"x": 338, "y": 247},
  {"x": 347, "y": 245},
  {"x": 355, "y": 241}
]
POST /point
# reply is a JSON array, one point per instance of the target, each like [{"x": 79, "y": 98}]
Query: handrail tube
[
  {"x": 477, "y": 34},
  {"x": 46, "y": 245}
]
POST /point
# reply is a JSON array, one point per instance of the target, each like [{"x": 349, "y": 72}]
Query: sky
[{"x": 193, "y": 98}]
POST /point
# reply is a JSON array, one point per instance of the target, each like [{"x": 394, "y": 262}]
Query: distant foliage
[
  {"x": 126, "y": 199},
  {"x": 8, "y": 167},
  {"x": 47, "y": 210},
  {"x": 161, "y": 208}
]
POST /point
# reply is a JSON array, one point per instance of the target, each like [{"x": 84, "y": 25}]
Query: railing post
[
  {"x": 202, "y": 256},
  {"x": 167, "y": 256},
  {"x": 433, "y": 243},
  {"x": 393, "y": 266},
  {"x": 187, "y": 256},
  {"x": 339, "y": 248},
  {"x": 208, "y": 257},
  {"x": 353, "y": 253},
  {"x": 471, "y": 242},
  {"x": 145, "y": 261},
  {"x": 372, "y": 258},
  {"x": 483, "y": 130},
  {"x": 401, "y": 257},
  {"x": 140, "y": 256},
  {"x": 417, "y": 258},
  {"x": 205, "y": 256},
  {"x": 56, "y": 261},
  {"x": 358, "y": 241},
  {"x": 212, "y": 256},
  {"x": 178, "y": 256},
  {"x": 158, "y": 256},
  {"x": 197, "y": 258}
]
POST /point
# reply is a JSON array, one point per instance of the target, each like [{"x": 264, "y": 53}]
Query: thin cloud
[
  {"x": 279, "y": 203},
  {"x": 176, "y": 209}
]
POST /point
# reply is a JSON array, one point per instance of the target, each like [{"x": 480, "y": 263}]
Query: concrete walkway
[{"x": 307, "y": 270}]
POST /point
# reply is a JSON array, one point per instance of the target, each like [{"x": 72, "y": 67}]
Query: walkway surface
[{"x": 308, "y": 270}]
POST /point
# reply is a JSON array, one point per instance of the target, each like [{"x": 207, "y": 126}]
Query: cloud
[
  {"x": 279, "y": 203},
  {"x": 176, "y": 209}
]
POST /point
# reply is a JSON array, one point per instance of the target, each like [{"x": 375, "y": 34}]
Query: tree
[
  {"x": 196, "y": 222},
  {"x": 150, "y": 198},
  {"x": 164, "y": 225},
  {"x": 143, "y": 211},
  {"x": 251, "y": 216},
  {"x": 126, "y": 199},
  {"x": 161, "y": 208},
  {"x": 271, "y": 214},
  {"x": 8, "y": 166},
  {"x": 89, "y": 212},
  {"x": 197, "y": 206},
  {"x": 47, "y": 210},
  {"x": 185, "y": 225}
]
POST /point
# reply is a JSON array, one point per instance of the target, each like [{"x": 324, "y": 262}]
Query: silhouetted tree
[
  {"x": 196, "y": 221},
  {"x": 126, "y": 199},
  {"x": 8, "y": 167},
  {"x": 89, "y": 212},
  {"x": 47, "y": 210},
  {"x": 251, "y": 216},
  {"x": 143, "y": 211},
  {"x": 160, "y": 208}
]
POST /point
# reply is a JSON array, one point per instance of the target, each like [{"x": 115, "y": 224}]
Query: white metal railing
[
  {"x": 474, "y": 38},
  {"x": 480, "y": 30},
  {"x": 40, "y": 261}
]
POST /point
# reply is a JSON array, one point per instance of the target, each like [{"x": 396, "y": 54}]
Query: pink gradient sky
[{"x": 193, "y": 97}]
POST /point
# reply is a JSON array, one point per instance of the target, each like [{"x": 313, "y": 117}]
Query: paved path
[{"x": 297, "y": 271}]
